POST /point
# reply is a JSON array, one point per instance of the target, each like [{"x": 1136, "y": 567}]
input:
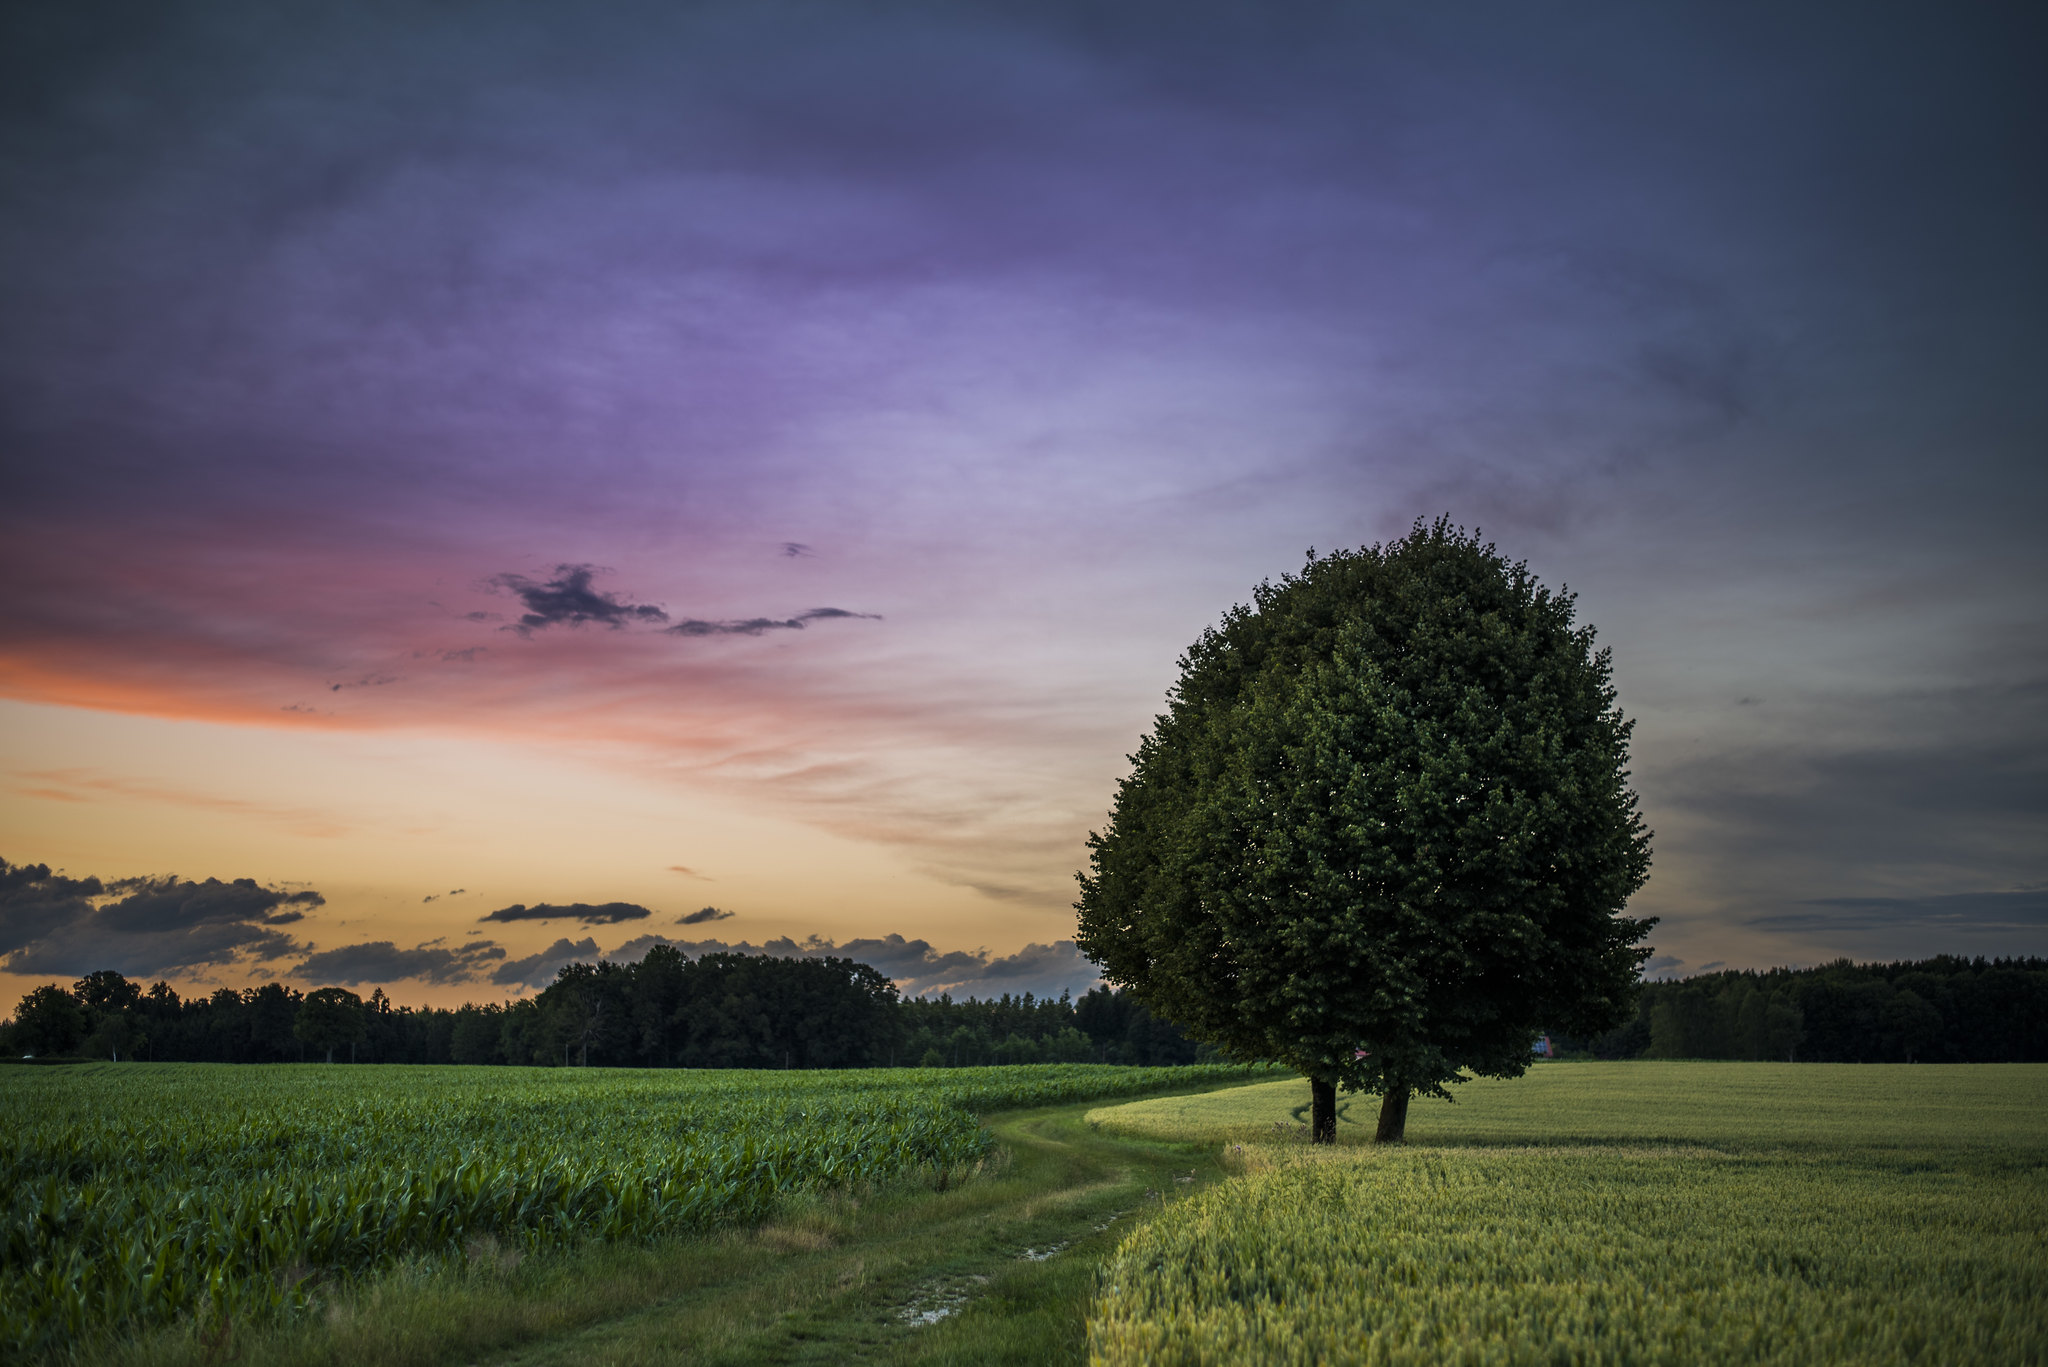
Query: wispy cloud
[
  {"x": 703, "y": 914},
  {"x": 87, "y": 785},
  {"x": 755, "y": 626},
  {"x": 1961, "y": 913}
]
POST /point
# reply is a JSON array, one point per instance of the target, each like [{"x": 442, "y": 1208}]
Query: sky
[{"x": 484, "y": 485}]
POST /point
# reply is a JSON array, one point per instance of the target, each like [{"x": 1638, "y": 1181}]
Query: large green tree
[
  {"x": 1383, "y": 832},
  {"x": 327, "y": 1017}
]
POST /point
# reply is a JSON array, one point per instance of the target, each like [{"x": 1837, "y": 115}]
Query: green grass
[
  {"x": 1651, "y": 1213},
  {"x": 1624, "y": 1213},
  {"x": 1724, "y": 1104},
  {"x": 222, "y": 1197},
  {"x": 827, "y": 1279}
]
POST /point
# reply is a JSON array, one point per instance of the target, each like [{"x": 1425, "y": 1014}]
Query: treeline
[
  {"x": 1942, "y": 1010},
  {"x": 748, "y": 1011},
  {"x": 666, "y": 1011}
]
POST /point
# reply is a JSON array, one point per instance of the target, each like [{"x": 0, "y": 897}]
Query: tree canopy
[{"x": 1383, "y": 832}]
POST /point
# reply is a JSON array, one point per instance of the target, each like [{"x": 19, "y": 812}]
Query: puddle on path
[{"x": 936, "y": 1300}]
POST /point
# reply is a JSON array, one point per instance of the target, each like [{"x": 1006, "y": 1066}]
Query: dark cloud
[
  {"x": 754, "y": 626},
  {"x": 701, "y": 915},
  {"x": 795, "y": 549},
  {"x": 538, "y": 970},
  {"x": 34, "y": 902},
  {"x": 367, "y": 681},
  {"x": 568, "y": 599},
  {"x": 178, "y": 904},
  {"x": 1809, "y": 838},
  {"x": 915, "y": 966},
  {"x": 142, "y": 926},
  {"x": 608, "y": 914},
  {"x": 382, "y": 961},
  {"x": 1958, "y": 913}
]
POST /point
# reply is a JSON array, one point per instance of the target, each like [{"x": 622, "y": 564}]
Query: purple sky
[{"x": 832, "y": 421}]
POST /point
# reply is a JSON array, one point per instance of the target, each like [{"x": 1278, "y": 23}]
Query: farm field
[
  {"x": 220, "y": 1196},
  {"x": 1606, "y": 1213}
]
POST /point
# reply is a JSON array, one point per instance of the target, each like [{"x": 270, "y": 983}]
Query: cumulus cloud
[
  {"x": 52, "y": 923},
  {"x": 538, "y": 970},
  {"x": 34, "y": 902},
  {"x": 608, "y": 914},
  {"x": 568, "y": 599},
  {"x": 142, "y": 926},
  {"x": 381, "y": 961},
  {"x": 917, "y": 967},
  {"x": 754, "y": 626}
]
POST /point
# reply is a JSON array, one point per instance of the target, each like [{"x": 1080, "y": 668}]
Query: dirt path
[{"x": 997, "y": 1270}]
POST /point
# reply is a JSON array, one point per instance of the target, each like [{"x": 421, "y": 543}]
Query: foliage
[
  {"x": 723, "y": 1010},
  {"x": 1680, "y": 1213},
  {"x": 49, "y": 1020},
  {"x": 327, "y": 1017},
  {"x": 138, "y": 1194},
  {"x": 1383, "y": 833},
  {"x": 1941, "y": 1010},
  {"x": 1104, "y": 1025}
]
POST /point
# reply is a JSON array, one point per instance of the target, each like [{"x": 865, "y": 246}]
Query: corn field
[{"x": 137, "y": 1194}]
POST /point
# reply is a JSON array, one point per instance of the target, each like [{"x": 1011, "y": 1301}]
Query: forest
[
  {"x": 1941, "y": 1010},
  {"x": 715, "y": 1011},
  {"x": 748, "y": 1011}
]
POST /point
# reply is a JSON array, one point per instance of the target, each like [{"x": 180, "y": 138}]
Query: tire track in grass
[{"x": 998, "y": 1270}]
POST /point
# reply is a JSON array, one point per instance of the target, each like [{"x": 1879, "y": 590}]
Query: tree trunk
[
  {"x": 1393, "y": 1118},
  {"x": 1322, "y": 1118}
]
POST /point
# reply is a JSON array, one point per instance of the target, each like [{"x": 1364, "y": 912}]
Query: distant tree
[
  {"x": 660, "y": 987},
  {"x": 106, "y": 990},
  {"x": 586, "y": 1010},
  {"x": 49, "y": 1021},
  {"x": 329, "y": 1017},
  {"x": 269, "y": 1011},
  {"x": 110, "y": 1001},
  {"x": 1384, "y": 832},
  {"x": 113, "y": 1034},
  {"x": 478, "y": 1034},
  {"x": 753, "y": 1011}
]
